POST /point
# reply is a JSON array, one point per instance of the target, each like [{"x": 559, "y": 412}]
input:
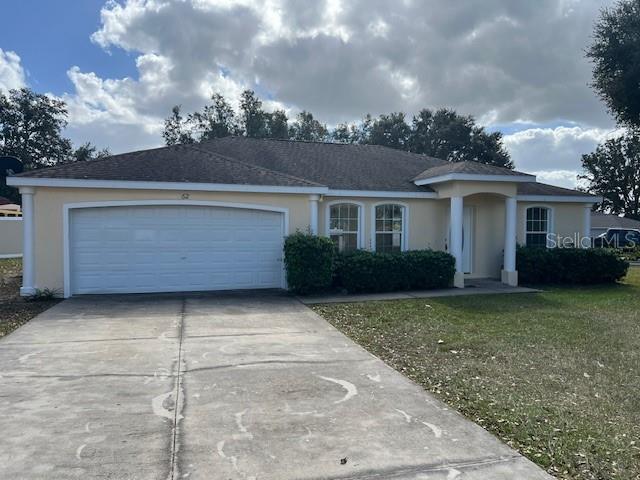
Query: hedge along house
[{"x": 212, "y": 216}]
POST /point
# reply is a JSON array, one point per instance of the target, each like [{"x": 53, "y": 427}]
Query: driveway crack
[{"x": 178, "y": 395}]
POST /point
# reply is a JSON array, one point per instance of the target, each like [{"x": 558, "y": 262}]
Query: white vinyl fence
[{"x": 10, "y": 237}]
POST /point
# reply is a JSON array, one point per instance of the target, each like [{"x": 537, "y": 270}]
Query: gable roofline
[
  {"x": 467, "y": 177},
  {"x": 469, "y": 170}
]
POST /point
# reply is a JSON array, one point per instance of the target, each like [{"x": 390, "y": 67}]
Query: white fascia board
[
  {"x": 138, "y": 185},
  {"x": 469, "y": 177},
  {"x": 380, "y": 194},
  {"x": 559, "y": 198}
]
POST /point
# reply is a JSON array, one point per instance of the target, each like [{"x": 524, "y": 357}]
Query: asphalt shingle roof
[
  {"x": 180, "y": 163},
  {"x": 338, "y": 166},
  {"x": 536, "y": 188},
  {"x": 466, "y": 167},
  {"x": 607, "y": 220},
  {"x": 250, "y": 161}
]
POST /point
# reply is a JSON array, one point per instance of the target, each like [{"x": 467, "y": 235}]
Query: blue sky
[
  {"x": 517, "y": 66},
  {"x": 59, "y": 36}
]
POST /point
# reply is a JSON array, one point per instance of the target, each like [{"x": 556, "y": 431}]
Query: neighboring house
[
  {"x": 601, "y": 222},
  {"x": 8, "y": 209},
  {"x": 213, "y": 215}
]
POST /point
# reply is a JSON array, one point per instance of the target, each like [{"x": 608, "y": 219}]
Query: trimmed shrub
[
  {"x": 630, "y": 254},
  {"x": 363, "y": 271},
  {"x": 569, "y": 266},
  {"x": 308, "y": 260}
]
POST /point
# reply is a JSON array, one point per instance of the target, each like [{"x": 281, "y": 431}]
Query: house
[
  {"x": 213, "y": 215},
  {"x": 9, "y": 209},
  {"x": 601, "y": 222}
]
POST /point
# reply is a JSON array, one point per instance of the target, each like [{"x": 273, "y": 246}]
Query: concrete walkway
[
  {"x": 481, "y": 286},
  {"x": 221, "y": 387}
]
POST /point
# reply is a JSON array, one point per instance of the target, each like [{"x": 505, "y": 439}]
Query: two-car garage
[{"x": 170, "y": 248}]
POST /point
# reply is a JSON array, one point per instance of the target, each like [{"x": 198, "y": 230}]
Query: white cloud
[
  {"x": 560, "y": 148},
  {"x": 11, "y": 71},
  {"x": 554, "y": 154},
  {"x": 505, "y": 62},
  {"x": 561, "y": 178}
]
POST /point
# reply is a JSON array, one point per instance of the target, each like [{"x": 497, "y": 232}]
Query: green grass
[{"x": 555, "y": 375}]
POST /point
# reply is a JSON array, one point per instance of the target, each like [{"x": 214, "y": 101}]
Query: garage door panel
[{"x": 174, "y": 248}]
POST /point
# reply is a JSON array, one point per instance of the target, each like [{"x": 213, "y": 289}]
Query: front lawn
[
  {"x": 14, "y": 310},
  {"x": 555, "y": 375}
]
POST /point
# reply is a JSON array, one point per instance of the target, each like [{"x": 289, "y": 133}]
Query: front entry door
[{"x": 467, "y": 239}]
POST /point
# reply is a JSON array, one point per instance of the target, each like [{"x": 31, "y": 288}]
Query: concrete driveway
[{"x": 221, "y": 387}]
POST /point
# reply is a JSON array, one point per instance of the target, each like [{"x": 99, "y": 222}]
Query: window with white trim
[
  {"x": 537, "y": 226},
  {"x": 344, "y": 224},
  {"x": 389, "y": 228}
]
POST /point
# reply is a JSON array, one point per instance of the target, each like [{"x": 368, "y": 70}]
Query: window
[
  {"x": 344, "y": 224},
  {"x": 389, "y": 228},
  {"x": 537, "y": 227}
]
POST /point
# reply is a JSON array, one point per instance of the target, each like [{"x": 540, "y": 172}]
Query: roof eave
[
  {"x": 469, "y": 177},
  {"x": 153, "y": 185},
  {"x": 561, "y": 198}
]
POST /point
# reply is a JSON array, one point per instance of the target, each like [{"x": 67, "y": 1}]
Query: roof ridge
[
  {"x": 284, "y": 140},
  {"x": 339, "y": 144},
  {"x": 254, "y": 167}
]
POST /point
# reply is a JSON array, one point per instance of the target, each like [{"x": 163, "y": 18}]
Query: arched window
[
  {"x": 389, "y": 228},
  {"x": 538, "y": 226},
  {"x": 344, "y": 225}
]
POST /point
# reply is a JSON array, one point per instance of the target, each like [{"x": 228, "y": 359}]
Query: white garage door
[{"x": 134, "y": 249}]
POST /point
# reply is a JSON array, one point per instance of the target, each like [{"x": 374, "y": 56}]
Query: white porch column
[
  {"x": 509, "y": 273},
  {"x": 28, "y": 245},
  {"x": 313, "y": 213},
  {"x": 585, "y": 238},
  {"x": 457, "y": 207}
]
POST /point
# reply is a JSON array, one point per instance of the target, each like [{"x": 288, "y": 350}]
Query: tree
[
  {"x": 390, "y": 131},
  {"x": 216, "y": 120},
  {"x": 176, "y": 128},
  {"x": 453, "y": 137},
  {"x": 353, "y": 132},
  {"x": 87, "y": 152},
  {"x": 345, "y": 133},
  {"x": 308, "y": 129},
  {"x": 613, "y": 171},
  {"x": 277, "y": 125},
  {"x": 253, "y": 118},
  {"x": 31, "y": 127},
  {"x": 615, "y": 53}
]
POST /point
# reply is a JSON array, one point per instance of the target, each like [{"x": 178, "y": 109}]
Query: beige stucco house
[{"x": 213, "y": 215}]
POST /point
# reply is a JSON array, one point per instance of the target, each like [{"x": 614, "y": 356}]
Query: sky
[{"x": 517, "y": 66}]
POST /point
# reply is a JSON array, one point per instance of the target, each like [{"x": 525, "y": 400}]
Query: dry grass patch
[{"x": 14, "y": 310}]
